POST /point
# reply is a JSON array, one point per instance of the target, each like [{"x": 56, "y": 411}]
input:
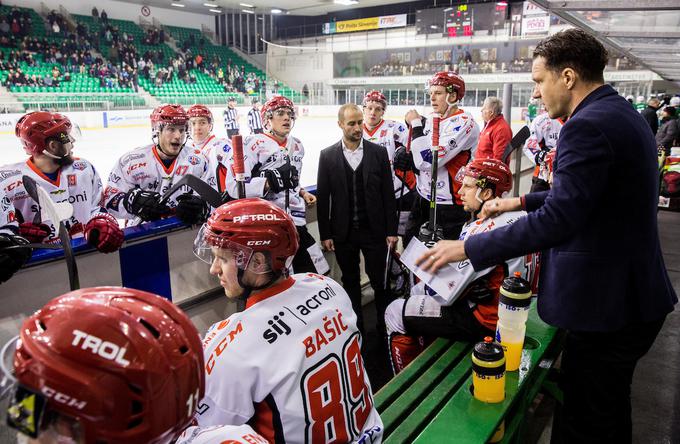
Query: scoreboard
[{"x": 459, "y": 21}]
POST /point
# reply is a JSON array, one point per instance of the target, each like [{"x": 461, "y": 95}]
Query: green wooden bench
[{"x": 430, "y": 401}]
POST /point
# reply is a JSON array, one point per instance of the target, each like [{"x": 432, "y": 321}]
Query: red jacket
[{"x": 493, "y": 139}]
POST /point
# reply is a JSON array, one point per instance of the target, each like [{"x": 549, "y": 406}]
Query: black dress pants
[
  {"x": 597, "y": 372},
  {"x": 375, "y": 252}
]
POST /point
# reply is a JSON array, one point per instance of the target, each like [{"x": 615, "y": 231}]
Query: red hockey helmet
[
  {"x": 449, "y": 79},
  {"x": 375, "y": 96},
  {"x": 200, "y": 111},
  {"x": 123, "y": 365},
  {"x": 168, "y": 115},
  {"x": 246, "y": 226},
  {"x": 486, "y": 172},
  {"x": 276, "y": 102},
  {"x": 34, "y": 129}
]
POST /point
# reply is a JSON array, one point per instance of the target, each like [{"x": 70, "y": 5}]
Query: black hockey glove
[
  {"x": 540, "y": 157},
  {"x": 478, "y": 292},
  {"x": 282, "y": 178},
  {"x": 145, "y": 204},
  {"x": 403, "y": 160},
  {"x": 191, "y": 209},
  {"x": 12, "y": 259}
]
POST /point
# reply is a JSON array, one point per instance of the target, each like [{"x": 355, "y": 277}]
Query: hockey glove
[
  {"x": 145, "y": 204},
  {"x": 34, "y": 233},
  {"x": 12, "y": 259},
  {"x": 282, "y": 178},
  {"x": 191, "y": 209},
  {"x": 403, "y": 160},
  {"x": 478, "y": 292},
  {"x": 103, "y": 233}
]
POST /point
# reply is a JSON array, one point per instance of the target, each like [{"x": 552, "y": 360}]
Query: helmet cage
[{"x": 207, "y": 239}]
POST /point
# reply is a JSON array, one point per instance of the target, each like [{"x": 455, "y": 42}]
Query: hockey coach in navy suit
[{"x": 603, "y": 277}]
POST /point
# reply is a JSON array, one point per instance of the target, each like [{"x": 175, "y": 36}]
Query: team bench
[{"x": 430, "y": 400}]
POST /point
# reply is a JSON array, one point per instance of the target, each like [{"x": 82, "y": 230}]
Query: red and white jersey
[
  {"x": 263, "y": 152},
  {"x": 290, "y": 366},
  {"x": 218, "y": 152},
  {"x": 143, "y": 168},
  {"x": 544, "y": 134},
  {"x": 220, "y": 435},
  {"x": 78, "y": 183},
  {"x": 458, "y": 138},
  {"x": 390, "y": 135},
  {"x": 463, "y": 274}
]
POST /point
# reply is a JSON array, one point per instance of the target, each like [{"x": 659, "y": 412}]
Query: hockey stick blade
[
  {"x": 207, "y": 193},
  {"x": 180, "y": 183},
  {"x": 516, "y": 142},
  {"x": 43, "y": 199}
]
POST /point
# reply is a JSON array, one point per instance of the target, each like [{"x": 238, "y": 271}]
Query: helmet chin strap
[
  {"x": 479, "y": 191},
  {"x": 248, "y": 289},
  {"x": 450, "y": 106}
]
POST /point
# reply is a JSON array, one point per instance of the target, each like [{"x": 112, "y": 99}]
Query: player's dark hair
[{"x": 575, "y": 49}]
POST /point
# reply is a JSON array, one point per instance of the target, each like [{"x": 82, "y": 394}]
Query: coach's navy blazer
[{"x": 602, "y": 267}]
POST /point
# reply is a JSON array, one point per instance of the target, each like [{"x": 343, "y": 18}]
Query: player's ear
[
  {"x": 259, "y": 263},
  {"x": 487, "y": 194}
]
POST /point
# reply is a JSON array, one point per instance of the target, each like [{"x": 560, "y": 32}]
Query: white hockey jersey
[
  {"x": 220, "y": 435},
  {"x": 78, "y": 184},
  {"x": 263, "y": 152},
  {"x": 458, "y": 138},
  {"x": 390, "y": 134},
  {"x": 544, "y": 134},
  {"x": 143, "y": 168},
  {"x": 290, "y": 366},
  {"x": 218, "y": 152},
  {"x": 463, "y": 274}
]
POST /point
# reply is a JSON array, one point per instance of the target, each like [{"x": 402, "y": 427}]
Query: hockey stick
[
  {"x": 434, "y": 177},
  {"x": 44, "y": 201},
  {"x": 180, "y": 183},
  {"x": 516, "y": 142},
  {"x": 36, "y": 246},
  {"x": 238, "y": 166}
]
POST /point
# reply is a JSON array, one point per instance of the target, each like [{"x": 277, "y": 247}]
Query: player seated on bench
[{"x": 472, "y": 312}]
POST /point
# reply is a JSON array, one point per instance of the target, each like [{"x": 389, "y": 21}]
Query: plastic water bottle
[
  {"x": 513, "y": 311},
  {"x": 488, "y": 371}
]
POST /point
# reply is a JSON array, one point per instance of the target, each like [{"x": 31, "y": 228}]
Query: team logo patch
[
  {"x": 193, "y": 160},
  {"x": 226, "y": 148},
  {"x": 383, "y": 133},
  {"x": 79, "y": 166},
  {"x": 11, "y": 217},
  {"x": 71, "y": 178}
]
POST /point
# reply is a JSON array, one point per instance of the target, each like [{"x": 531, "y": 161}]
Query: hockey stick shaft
[
  {"x": 238, "y": 165},
  {"x": 33, "y": 190},
  {"x": 433, "y": 176}
]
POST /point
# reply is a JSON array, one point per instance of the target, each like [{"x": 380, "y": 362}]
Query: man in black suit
[
  {"x": 357, "y": 211},
  {"x": 603, "y": 277}
]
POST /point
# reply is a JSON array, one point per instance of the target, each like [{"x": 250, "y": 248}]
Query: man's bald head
[{"x": 349, "y": 111}]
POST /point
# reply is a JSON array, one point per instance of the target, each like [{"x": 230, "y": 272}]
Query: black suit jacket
[
  {"x": 601, "y": 267},
  {"x": 332, "y": 193}
]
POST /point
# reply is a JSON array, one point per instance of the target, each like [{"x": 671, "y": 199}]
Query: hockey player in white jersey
[
  {"x": 216, "y": 149},
  {"x": 543, "y": 139},
  {"x": 273, "y": 161},
  {"x": 290, "y": 364},
  {"x": 390, "y": 135},
  {"x": 110, "y": 365},
  {"x": 141, "y": 176},
  {"x": 48, "y": 139},
  {"x": 472, "y": 311},
  {"x": 458, "y": 137}
]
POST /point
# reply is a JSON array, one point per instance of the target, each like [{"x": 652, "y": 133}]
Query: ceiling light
[
  {"x": 177, "y": 5},
  {"x": 219, "y": 11},
  {"x": 249, "y": 11},
  {"x": 276, "y": 11},
  {"x": 345, "y": 2},
  {"x": 247, "y": 5},
  {"x": 210, "y": 5}
]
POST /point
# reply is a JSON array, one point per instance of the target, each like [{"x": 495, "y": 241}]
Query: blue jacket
[{"x": 601, "y": 263}]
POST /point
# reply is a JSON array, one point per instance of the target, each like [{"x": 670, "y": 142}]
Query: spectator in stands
[
  {"x": 668, "y": 135},
  {"x": 649, "y": 113},
  {"x": 104, "y": 17},
  {"x": 4, "y": 27},
  {"x": 496, "y": 134},
  {"x": 95, "y": 12}
]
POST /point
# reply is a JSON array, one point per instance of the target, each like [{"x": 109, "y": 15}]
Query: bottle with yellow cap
[
  {"x": 513, "y": 311},
  {"x": 488, "y": 371}
]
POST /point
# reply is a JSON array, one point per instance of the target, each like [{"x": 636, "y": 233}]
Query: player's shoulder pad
[
  {"x": 136, "y": 154},
  {"x": 298, "y": 141},
  {"x": 508, "y": 218},
  {"x": 10, "y": 171}
]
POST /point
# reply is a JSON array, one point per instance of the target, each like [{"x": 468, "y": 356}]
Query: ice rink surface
[{"x": 104, "y": 146}]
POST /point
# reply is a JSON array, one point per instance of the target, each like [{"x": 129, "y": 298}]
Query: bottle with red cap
[
  {"x": 488, "y": 371},
  {"x": 513, "y": 311}
]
